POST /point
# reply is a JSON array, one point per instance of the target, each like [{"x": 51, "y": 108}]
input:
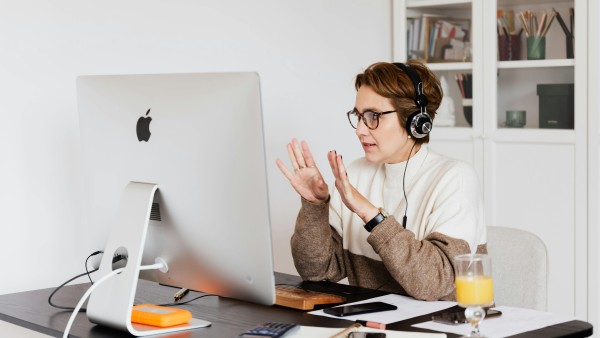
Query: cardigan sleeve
[
  {"x": 317, "y": 248},
  {"x": 424, "y": 268}
]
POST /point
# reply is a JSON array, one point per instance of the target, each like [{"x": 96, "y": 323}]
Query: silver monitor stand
[{"x": 111, "y": 303}]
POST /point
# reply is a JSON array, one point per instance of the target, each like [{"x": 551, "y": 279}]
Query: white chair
[{"x": 519, "y": 268}]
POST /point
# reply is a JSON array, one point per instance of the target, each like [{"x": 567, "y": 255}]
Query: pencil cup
[
  {"x": 516, "y": 118},
  {"x": 509, "y": 47},
  {"x": 468, "y": 110},
  {"x": 536, "y": 48}
]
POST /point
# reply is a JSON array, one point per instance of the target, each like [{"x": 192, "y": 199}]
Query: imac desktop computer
[{"x": 175, "y": 172}]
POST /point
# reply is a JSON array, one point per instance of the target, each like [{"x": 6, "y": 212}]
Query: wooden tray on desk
[{"x": 298, "y": 298}]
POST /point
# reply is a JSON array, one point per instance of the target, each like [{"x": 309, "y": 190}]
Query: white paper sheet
[
  {"x": 326, "y": 332},
  {"x": 407, "y": 308},
  {"x": 511, "y": 322}
]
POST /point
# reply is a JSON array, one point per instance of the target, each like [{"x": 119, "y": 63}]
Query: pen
[
  {"x": 374, "y": 325},
  {"x": 571, "y": 18},
  {"x": 562, "y": 24},
  {"x": 344, "y": 333},
  {"x": 180, "y": 294}
]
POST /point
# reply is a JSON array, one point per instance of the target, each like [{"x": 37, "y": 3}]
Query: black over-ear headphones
[{"x": 419, "y": 123}]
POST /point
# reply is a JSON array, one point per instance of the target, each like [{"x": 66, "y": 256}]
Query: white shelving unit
[{"x": 533, "y": 179}]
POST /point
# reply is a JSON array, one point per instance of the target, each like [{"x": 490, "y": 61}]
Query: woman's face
[{"x": 389, "y": 142}]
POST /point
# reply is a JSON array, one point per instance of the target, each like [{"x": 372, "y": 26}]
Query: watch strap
[{"x": 375, "y": 221}]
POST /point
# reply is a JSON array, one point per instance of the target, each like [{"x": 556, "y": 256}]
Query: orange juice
[{"x": 474, "y": 290}]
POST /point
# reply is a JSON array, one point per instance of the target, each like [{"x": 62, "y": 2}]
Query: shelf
[
  {"x": 529, "y": 2},
  {"x": 441, "y": 66},
  {"x": 506, "y": 135},
  {"x": 534, "y": 135},
  {"x": 536, "y": 63},
  {"x": 446, "y": 4}
]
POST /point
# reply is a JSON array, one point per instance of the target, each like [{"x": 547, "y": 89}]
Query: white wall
[{"x": 306, "y": 51}]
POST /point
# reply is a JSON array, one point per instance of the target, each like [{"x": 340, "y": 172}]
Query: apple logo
[{"x": 143, "y": 127}]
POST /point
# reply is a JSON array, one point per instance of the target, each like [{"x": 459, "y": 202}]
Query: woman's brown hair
[{"x": 391, "y": 82}]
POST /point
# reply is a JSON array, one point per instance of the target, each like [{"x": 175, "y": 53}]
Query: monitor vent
[{"x": 155, "y": 212}]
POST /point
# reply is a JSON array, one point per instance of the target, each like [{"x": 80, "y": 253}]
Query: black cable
[
  {"x": 187, "y": 301},
  {"x": 403, "y": 185},
  {"x": 61, "y": 286},
  {"x": 87, "y": 272},
  {"x": 86, "y": 263}
]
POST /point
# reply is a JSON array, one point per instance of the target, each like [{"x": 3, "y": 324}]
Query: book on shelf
[{"x": 436, "y": 38}]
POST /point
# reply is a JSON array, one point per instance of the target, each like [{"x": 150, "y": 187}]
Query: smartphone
[
  {"x": 357, "y": 309},
  {"x": 458, "y": 317},
  {"x": 366, "y": 335}
]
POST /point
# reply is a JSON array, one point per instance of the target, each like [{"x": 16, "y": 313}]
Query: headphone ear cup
[{"x": 418, "y": 124}]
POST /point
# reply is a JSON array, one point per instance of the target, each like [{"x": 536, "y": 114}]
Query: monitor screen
[{"x": 199, "y": 138}]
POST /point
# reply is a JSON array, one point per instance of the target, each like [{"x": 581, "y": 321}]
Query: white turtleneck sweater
[{"x": 445, "y": 218}]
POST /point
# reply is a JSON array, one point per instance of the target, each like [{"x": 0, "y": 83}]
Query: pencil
[
  {"x": 524, "y": 24},
  {"x": 344, "y": 333},
  {"x": 374, "y": 325},
  {"x": 548, "y": 25},
  {"x": 542, "y": 23}
]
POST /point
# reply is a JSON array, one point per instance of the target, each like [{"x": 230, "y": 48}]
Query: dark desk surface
[{"x": 229, "y": 317}]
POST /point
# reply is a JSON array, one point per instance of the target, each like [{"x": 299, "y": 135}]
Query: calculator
[{"x": 271, "y": 329}]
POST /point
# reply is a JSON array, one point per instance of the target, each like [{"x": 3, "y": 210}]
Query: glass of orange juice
[{"x": 474, "y": 287}]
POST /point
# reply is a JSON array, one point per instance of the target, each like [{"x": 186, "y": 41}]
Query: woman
[{"x": 399, "y": 215}]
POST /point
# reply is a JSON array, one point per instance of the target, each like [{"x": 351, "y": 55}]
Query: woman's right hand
[{"x": 306, "y": 177}]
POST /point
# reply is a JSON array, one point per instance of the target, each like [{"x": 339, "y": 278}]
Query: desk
[{"x": 229, "y": 317}]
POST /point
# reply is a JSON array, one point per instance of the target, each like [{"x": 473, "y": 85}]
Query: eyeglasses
[{"x": 370, "y": 118}]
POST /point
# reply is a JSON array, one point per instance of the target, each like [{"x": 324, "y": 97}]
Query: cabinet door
[
  {"x": 458, "y": 125},
  {"x": 536, "y": 172},
  {"x": 533, "y": 172}
]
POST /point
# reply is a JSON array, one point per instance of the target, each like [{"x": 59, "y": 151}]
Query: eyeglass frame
[{"x": 376, "y": 116}]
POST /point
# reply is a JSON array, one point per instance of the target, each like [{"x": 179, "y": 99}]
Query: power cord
[{"x": 116, "y": 258}]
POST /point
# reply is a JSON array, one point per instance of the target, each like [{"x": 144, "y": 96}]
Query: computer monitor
[{"x": 197, "y": 138}]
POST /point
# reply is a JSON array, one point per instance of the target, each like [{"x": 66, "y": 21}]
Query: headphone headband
[
  {"x": 419, "y": 123},
  {"x": 420, "y": 98}
]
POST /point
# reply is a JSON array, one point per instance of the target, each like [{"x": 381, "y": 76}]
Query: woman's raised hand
[
  {"x": 353, "y": 199},
  {"x": 305, "y": 177}
]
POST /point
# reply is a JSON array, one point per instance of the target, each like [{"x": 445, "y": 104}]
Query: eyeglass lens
[{"x": 370, "y": 118}]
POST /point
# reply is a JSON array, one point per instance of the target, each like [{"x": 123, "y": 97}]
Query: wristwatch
[{"x": 376, "y": 220}]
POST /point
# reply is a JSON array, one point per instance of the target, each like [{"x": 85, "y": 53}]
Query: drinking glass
[{"x": 474, "y": 287}]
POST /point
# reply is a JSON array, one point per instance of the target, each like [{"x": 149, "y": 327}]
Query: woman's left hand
[{"x": 353, "y": 199}]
